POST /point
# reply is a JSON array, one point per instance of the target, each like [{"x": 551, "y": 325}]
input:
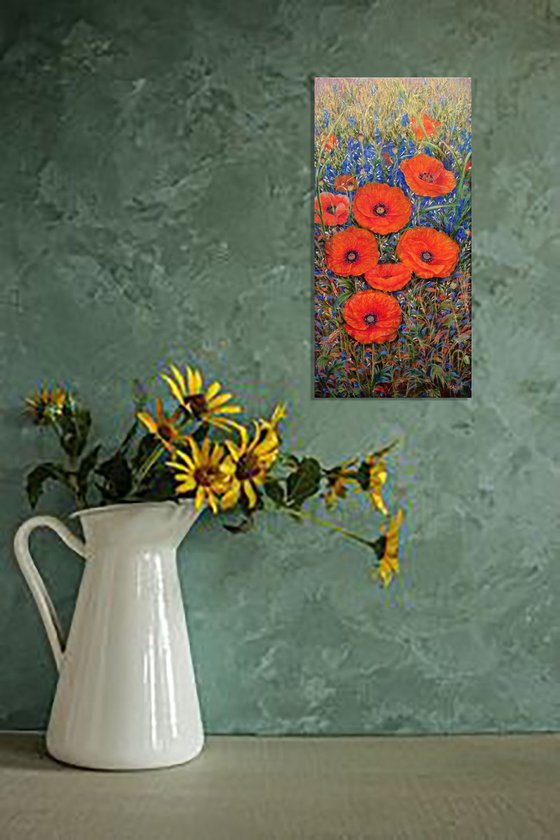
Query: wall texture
[{"x": 155, "y": 191}]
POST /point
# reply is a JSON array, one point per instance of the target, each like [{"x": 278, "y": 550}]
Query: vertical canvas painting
[{"x": 392, "y": 231}]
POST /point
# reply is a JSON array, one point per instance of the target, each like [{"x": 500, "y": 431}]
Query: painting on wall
[{"x": 392, "y": 229}]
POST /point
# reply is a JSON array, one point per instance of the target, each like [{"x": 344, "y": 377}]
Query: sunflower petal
[
  {"x": 227, "y": 409},
  {"x": 173, "y": 387},
  {"x": 194, "y": 380},
  {"x": 180, "y": 379},
  {"x": 231, "y": 497},
  {"x": 212, "y": 501},
  {"x": 250, "y": 493},
  {"x": 199, "y": 499},
  {"x": 233, "y": 450},
  {"x": 187, "y": 485},
  {"x": 212, "y": 390},
  {"x": 148, "y": 421},
  {"x": 216, "y": 401}
]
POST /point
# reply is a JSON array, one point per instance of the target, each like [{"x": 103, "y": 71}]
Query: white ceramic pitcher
[{"x": 126, "y": 696}]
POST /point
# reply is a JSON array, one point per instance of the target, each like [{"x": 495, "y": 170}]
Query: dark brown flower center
[
  {"x": 351, "y": 256},
  {"x": 380, "y": 209},
  {"x": 331, "y": 209},
  {"x": 370, "y": 319},
  {"x": 196, "y": 404},
  {"x": 428, "y": 177},
  {"x": 247, "y": 467},
  {"x": 206, "y": 475},
  {"x": 166, "y": 431},
  {"x": 426, "y": 256}
]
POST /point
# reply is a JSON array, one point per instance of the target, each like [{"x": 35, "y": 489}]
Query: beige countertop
[{"x": 243, "y": 788}]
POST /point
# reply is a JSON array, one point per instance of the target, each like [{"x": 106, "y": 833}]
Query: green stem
[
  {"x": 146, "y": 466},
  {"x": 372, "y": 386},
  {"x": 325, "y": 523},
  {"x": 437, "y": 207}
]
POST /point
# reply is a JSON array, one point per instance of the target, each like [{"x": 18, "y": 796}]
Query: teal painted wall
[{"x": 155, "y": 188}]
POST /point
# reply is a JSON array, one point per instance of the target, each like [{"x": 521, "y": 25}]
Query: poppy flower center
[
  {"x": 428, "y": 177},
  {"x": 370, "y": 319},
  {"x": 380, "y": 209},
  {"x": 426, "y": 256},
  {"x": 331, "y": 209},
  {"x": 351, "y": 256}
]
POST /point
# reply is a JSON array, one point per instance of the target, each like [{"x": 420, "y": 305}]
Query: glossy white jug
[{"x": 126, "y": 697}]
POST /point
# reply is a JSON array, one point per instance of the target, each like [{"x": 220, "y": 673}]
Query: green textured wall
[{"x": 155, "y": 191}]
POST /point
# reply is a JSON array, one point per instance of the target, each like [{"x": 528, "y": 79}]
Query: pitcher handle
[{"x": 34, "y": 580}]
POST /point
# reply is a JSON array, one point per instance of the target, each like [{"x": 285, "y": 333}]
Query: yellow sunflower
[
  {"x": 162, "y": 426},
  {"x": 278, "y": 415},
  {"x": 208, "y": 406},
  {"x": 389, "y": 564},
  {"x": 339, "y": 480},
  {"x": 377, "y": 478},
  {"x": 248, "y": 463},
  {"x": 201, "y": 470},
  {"x": 46, "y": 404}
]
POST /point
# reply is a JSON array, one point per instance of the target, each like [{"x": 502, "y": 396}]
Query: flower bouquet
[{"x": 191, "y": 444}]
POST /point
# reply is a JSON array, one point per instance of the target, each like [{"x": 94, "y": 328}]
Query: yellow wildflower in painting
[
  {"x": 46, "y": 404},
  {"x": 162, "y": 426},
  {"x": 377, "y": 478},
  {"x": 207, "y": 406},
  {"x": 248, "y": 463},
  {"x": 389, "y": 563},
  {"x": 201, "y": 471}
]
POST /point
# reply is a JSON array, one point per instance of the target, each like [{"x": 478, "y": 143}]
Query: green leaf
[
  {"x": 37, "y": 477},
  {"x": 274, "y": 490},
  {"x": 146, "y": 446},
  {"x": 200, "y": 433},
  {"x": 87, "y": 463},
  {"x": 304, "y": 482},
  {"x": 129, "y": 436},
  {"x": 379, "y": 546},
  {"x": 363, "y": 474},
  {"x": 117, "y": 477},
  {"x": 160, "y": 485}
]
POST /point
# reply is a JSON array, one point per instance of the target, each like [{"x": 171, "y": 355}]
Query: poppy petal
[
  {"x": 381, "y": 208},
  {"x": 389, "y": 277},
  {"x": 351, "y": 251}
]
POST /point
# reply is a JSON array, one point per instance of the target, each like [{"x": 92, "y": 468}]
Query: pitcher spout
[{"x": 162, "y": 523}]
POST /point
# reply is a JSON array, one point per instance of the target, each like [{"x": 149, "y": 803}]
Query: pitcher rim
[{"x": 122, "y": 505}]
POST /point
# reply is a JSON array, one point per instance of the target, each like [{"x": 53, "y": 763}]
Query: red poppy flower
[
  {"x": 430, "y": 126},
  {"x": 425, "y": 175},
  {"x": 351, "y": 251},
  {"x": 427, "y": 252},
  {"x": 336, "y": 209},
  {"x": 372, "y": 317},
  {"x": 468, "y": 166},
  {"x": 381, "y": 208},
  {"x": 388, "y": 276},
  {"x": 331, "y": 143},
  {"x": 345, "y": 182}
]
